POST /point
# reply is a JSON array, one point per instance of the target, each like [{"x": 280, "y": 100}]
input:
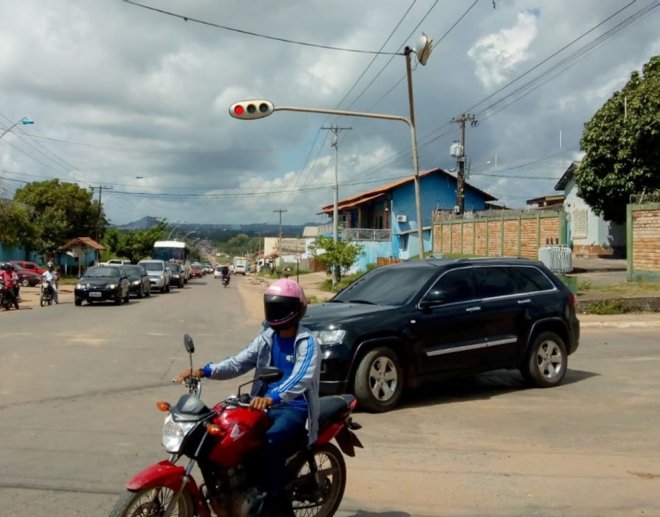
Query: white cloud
[{"x": 497, "y": 55}]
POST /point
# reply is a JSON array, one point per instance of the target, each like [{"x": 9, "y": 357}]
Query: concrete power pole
[
  {"x": 335, "y": 211},
  {"x": 460, "y": 179},
  {"x": 279, "y": 241},
  {"x": 101, "y": 188}
]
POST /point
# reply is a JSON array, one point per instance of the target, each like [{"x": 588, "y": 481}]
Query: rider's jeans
[{"x": 282, "y": 438}]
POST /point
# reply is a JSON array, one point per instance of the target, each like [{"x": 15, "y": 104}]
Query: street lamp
[
  {"x": 260, "y": 108},
  {"x": 24, "y": 121},
  {"x": 189, "y": 233}
]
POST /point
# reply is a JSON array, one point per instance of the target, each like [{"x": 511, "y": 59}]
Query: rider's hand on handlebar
[
  {"x": 188, "y": 373},
  {"x": 261, "y": 403}
]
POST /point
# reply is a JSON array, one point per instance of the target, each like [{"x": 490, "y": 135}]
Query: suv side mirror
[{"x": 433, "y": 298}]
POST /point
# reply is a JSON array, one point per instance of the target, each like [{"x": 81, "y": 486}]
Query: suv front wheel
[
  {"x": 546, "y": 361},
  {"x": 379, "y": 380}
]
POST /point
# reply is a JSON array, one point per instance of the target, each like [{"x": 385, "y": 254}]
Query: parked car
[
  {"x": 400, "y": 325},
  {"x": 139, "y": 279},
  {"x": 178, "y": 276},
  {"x": 26, "y": 277},
  {"x": 159, "y": 274},
  {"x": 115, "y": 262},
  {"x": 100, "y": 283},
  {"x": 30, "y": 266}
]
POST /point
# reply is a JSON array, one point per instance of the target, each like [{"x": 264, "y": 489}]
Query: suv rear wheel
[
  {"x": 379, "y": 380},
  {"x": 547, "y": 361}
]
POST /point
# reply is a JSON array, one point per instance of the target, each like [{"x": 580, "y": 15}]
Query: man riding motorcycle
[
  {"x": 293, "y": 401},
  {"x": 52, "y": 278}
]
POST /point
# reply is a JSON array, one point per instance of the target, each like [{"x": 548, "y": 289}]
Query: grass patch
[
  {"x": 627, "y": 289},
  {"x": 607, "y": 307}
]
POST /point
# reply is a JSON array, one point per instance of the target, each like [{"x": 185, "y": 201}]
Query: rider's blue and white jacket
[{"x": 304, "y": 379}]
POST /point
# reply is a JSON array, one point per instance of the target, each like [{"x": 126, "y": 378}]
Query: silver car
[{"x": 159, "y": 274}]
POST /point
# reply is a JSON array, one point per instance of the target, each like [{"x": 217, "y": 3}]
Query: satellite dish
[{"x": 423, "y": 48}]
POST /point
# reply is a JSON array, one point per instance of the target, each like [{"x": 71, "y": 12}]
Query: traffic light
[{"x": 248, "y": 110}]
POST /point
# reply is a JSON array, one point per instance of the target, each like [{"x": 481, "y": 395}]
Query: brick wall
[
  {"x": 643, "y": 241},
  {"x": 512, "y": 235}
]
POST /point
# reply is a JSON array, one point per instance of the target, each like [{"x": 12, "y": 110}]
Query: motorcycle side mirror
[
  {"x": 271, "y": 374},
  {"x": 267, "y": 375},
  {"x": 188, "y": 342}
]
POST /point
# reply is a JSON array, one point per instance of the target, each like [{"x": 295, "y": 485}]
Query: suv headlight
[
  {"x": 329, "y": 337},
  {"x": 113, "y": 286},
  {"x": 174, "y": 433}
]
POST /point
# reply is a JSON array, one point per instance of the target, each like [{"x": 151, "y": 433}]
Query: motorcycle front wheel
[
  {"x": 320, "y": 499},
  {"x": 152, "y": 502}
]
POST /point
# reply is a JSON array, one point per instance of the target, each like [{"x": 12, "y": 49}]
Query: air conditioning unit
[{"x": 401, "y": 219}]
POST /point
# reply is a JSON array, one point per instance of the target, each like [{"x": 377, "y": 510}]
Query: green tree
[
  {"x": 134, "y": 244},
  {"x": 16, "y": 226},
  {"x": 60, "y": 212},
  {"x": 339, "y": 255},
  {"x": 622, "y": 145}
]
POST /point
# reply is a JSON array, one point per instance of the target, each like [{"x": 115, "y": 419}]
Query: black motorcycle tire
[
  {"x": 134, "y": 504},
  {"x": 42, "y": 301},
  {"x": 332, "y": 467}
]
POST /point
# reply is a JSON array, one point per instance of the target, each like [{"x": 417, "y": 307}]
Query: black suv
[{"x": 403, "y": 324}]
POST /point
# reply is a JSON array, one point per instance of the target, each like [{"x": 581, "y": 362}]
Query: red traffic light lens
[{"x": 239, "y": 110}]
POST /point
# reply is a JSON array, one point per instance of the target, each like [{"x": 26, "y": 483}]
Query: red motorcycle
[{"x": 227, "y": 444}]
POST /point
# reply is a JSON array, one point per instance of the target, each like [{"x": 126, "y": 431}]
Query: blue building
[{"x": 384, "y": 220}]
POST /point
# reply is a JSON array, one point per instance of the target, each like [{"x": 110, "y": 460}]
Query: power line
[{"x": 250, "y": 33}]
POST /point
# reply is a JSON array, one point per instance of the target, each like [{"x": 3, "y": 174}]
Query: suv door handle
[
  {"x": 473, "y": 309},
  {"x": 526, "y": 300}
]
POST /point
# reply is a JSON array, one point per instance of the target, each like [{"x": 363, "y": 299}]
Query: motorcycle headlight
[
  {"x": 174, "y": 433},
  {"x": 329, "y": 337}
]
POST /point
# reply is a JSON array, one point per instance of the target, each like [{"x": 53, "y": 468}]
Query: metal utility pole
[
  {"x": 460, "y": 179},
  {"x": 335, "y": 210},
  {"x": 279, "y": 241}
]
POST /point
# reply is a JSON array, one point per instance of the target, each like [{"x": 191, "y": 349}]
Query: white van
[{"x": 240, "y": 266}]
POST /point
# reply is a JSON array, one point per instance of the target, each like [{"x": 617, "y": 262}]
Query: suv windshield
[{"x": 386, "y": 286}]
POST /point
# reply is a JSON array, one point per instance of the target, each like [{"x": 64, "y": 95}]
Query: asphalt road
[{"x": 78, "y": 418}]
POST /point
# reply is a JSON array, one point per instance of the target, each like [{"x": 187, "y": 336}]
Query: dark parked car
[
  {"x": 400, "y": 325},
  {"x": 101, "y": 283},
  {"x": 138, "y": 278},
  {"x": 26, "y": 277},
  {"x": 178, "y": 276}
]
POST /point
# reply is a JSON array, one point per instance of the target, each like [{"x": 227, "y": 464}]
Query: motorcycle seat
[{"x": 332, "y": 408}]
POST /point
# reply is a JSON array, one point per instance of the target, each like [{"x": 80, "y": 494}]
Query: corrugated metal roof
[{"x": 379, "y": 191}]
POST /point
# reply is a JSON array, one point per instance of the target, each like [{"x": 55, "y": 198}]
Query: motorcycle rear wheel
[
  {"x": 332, "y": 469},
  {"x": 151, "y": 502}
]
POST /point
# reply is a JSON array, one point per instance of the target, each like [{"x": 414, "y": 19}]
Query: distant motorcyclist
[
  {"x": 224, "y": 274},
  {"x": 52, "y": 278}
]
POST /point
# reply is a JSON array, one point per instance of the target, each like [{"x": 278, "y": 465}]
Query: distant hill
[{"x": 222, "y": 230}]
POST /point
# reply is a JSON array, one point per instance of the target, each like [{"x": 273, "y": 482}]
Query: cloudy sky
[{"x": 135, "y": 100}]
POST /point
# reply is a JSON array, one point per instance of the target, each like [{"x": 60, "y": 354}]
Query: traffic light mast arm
[{"x": 343, "y": 113}]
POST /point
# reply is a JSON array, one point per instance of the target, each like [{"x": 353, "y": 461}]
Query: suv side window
[
  {"x": 491, "y": 282},
  {"x": 530, "y": 280},
  {"x": 452, "y": 287}
]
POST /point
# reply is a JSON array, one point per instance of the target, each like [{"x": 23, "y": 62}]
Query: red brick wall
[
  {"x": 496, "y": 236},
  {"x": 646, "y": 240}
]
